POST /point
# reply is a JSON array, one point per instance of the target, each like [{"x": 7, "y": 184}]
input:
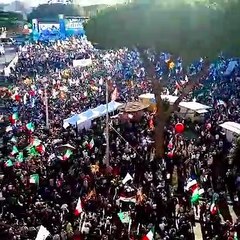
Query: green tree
[
  {"x": 51, "y": 11},
  {"x": 164, "y": 110},
  {"x": 190, "y": 28},
  {"x": 10, "y": 20}
]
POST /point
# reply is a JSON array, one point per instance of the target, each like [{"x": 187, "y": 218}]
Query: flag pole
[
  {"x": 107, "y": 127},
  {"x": 46, "y": 107}
]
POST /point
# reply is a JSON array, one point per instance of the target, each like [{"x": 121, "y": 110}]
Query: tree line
[
  {"x": 10, "y": 19},
  {"x": 188, "y": 28}
]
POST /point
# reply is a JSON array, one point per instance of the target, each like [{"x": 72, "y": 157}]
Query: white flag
[
  {"x": 127, "y": 178},
  {"x": 43, "y": 233}
]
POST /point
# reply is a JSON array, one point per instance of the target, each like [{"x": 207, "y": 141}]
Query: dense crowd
[{"x": 55, "y": 177}]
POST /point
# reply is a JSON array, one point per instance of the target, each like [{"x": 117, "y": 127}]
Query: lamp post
[{"x": 107, "y": 127}]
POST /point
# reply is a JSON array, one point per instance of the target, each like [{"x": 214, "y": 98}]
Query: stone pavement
[{"x": 10, "y": 52}]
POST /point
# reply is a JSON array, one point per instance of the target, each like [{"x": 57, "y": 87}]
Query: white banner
[{"x": 82, "y": 62}]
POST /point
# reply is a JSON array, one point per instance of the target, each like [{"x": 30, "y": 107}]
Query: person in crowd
[{"x": 54, "y": 176}]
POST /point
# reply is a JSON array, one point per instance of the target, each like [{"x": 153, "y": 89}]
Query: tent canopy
[
  {"x": 151, "y": 97},
  {"x": 91, "y": 114},
  {"x": 231, "y": 126},
  {"x": 195, "y": 106}
]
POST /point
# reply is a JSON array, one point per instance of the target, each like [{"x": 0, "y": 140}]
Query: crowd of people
[{"x": 54, "y": 177}]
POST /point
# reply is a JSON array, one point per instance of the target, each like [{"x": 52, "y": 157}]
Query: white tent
[
  {"x": 231, "y": 129},
  {"x": 151, "y": 97},
  {"x": 83, "y": 120},
  {"x": 194, "y": 106}
]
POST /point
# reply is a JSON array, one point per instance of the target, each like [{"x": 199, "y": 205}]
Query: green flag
[
  {"x": 124, "y": 217},
  {"x": 34, "y": 178}
]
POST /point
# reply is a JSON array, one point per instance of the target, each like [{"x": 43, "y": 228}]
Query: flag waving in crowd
[
  {"x": 79, "y": 208},
  {"x": 60, "y": 178}
]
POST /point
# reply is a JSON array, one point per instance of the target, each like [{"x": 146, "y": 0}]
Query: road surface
[{"x": 10, "y": 52}]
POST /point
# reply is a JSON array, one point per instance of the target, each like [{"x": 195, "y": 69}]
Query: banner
[{"x": 82, "y": 62}]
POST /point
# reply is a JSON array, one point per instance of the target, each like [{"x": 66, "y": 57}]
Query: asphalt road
[{"x": 10, "y": 52}]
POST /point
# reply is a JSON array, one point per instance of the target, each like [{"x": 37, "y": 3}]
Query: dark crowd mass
[{"x": 55, "y": 183}]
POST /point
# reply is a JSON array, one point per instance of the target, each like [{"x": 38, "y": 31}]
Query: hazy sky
[{"x": 83, "y": 2}]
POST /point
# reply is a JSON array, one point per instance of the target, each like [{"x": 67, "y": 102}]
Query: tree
[
  {"x": 164, "y": 110},
  {"x": 187, "y": 28},
  {"x": 10, "y": 20},
  {"x": 51, "y": 11}
]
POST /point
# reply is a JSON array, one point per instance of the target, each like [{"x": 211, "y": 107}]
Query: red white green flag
[
  {"x": 79, "y": 208},
  {"x": 149, "y": 235},
  {"x": 91, "y": 144},
  {"x": 30, "y": 127},
  {"x": 67, "y": 154},
  {"x": 8, "y": 163},
  {"x": 213, "y": 208},
  {"x": 14, "y": 151},
  {"x": 34, "y": 142},
  {"x": 41, "y": 149},
  {"x": 13, "y": 118},
  {"x": 194, "y": 188}
]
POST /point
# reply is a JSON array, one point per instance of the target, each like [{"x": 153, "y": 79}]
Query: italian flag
[
  {"x": 13, "y": 118},
  {"x": 149, "y": 235},
  {"x": 33, "y": 152},
  {"x": 34, "y": 179},
  {"x": 213, "y": 208},
  {"x": 235, "y": 236},
  {"x": 35, "y": 142},
  {"x": 85, "y": 144},
  {"x": 79, "y": 208},
  {"x": 67, "y": 154},
  {"x": 8, "y": 163},
  {"x": 30, "y": 127},
  {"x": 14, "y": 151},
  {"x": 41, "y": 149},
  {"x": 193, "y": 187},
  {"x": 91, "y": 144},
  {"x": 178, "y": 85},
  {"x": 20, "y": 157}
]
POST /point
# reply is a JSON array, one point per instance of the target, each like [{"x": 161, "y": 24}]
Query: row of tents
[{"x": 83, "y": 120}]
